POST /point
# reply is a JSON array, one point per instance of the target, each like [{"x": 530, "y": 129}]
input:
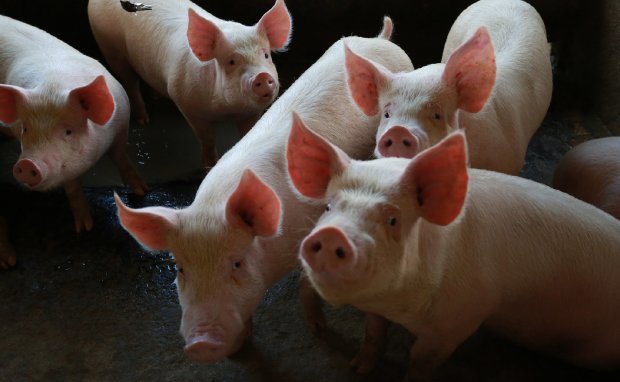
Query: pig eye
[
  {"x": 393, "y": 221},
  {"x": 267, "y": 55},
  {"x": 387, "y": 114},
  {"x": 237, "y": 265},
  {"x": 68, "y": 132},
  {"x": 437, "y": 116},
  {"x": 328, "y": 207},
  {"x": 180, "y": 270},
  {"x": 231, "y": 62},
  {"x": 25, "y": 130}
]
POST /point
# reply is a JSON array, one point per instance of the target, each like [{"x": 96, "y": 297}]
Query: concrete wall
[{"x": 607, "y": 86}]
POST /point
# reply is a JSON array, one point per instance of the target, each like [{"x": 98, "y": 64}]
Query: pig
[
  {"x": 591, "y": 172},
  {"x": 66, "y": 110},
  {"x": 442, "y": 250},
  {"x": 231, "y": 243},
  {"x": 494, "y": 81},
  {"x": 210, "y": 68}
]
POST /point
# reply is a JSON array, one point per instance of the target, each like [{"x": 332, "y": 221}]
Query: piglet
[
  {"x": 591, "y": 172},
  {"x": 232, "y": 243},
  {"x": 494, "y": 81},
  {"x": 442, "y": 250},
  {"x": 210, "y": 68},
  {"x": 66, "y": 110}
]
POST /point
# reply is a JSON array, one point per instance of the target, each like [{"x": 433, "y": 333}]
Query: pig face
[
  {"x": 421, "y": 107},
  {"x": 217, "y": 293},
  {"x": 363, "y": 243},
  {"x": 245, "y": 74},
  {"x": 55, "y": 128}
]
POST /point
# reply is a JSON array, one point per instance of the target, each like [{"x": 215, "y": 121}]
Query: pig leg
[
  {"x": 131, "y": 82},
  {"x": 206, "y": 135},
  {"x": 312, "y": 304},
  {"x": 120, "y": 157},
  {"x": 374, "y": 341},
  {"x": 79, "y": 206},
  {"x": 7, "y": 254}
]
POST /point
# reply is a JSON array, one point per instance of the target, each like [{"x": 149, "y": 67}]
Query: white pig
[
  {"x": 227, "y": 244},
  {"x": 494, "y": 81},
  {"x": 66, "y": 109},
  {"x": 591, "y": 172},
  {"x": 210, "y": 68},
  {"x": 442, "y": 250}
]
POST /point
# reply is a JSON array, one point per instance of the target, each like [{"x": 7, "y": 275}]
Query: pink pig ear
[
  {"x": 203, "y": 36},
  {"x": 254, "y": 206},
  {"x": 95, "y": 100},
  {"x": 9, "y": 97},
  {"x": 366, "y": 79},
  {"x": 150, "y": 226},
  {"x": 312, "y": 160},
  {"x": 437, "y": 177},
  {"x": 276, "y": 25},
  {"x": 471, "y": 69}
]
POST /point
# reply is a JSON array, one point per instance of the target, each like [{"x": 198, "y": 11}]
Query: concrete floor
[{"x": 97, "y": 307}]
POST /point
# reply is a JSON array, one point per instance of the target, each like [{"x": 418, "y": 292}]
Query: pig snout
[
  {"x": 29, "y": 172},
  {"x": 210, "y": 345},
  {"x": 328, "y": 249},
  {"x": 264, "y": 86},
  {"x": 398, "y": 142}
]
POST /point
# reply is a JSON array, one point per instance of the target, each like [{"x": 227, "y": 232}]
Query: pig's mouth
[{"x": 210, "y": 344}]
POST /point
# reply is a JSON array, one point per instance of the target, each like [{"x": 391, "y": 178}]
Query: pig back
[{"x": 522, "y": 91}]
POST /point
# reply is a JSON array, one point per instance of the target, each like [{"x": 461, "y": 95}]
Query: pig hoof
[{"x": 365, "y": 360}]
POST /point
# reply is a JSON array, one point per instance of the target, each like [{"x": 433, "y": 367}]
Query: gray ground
[{"x": 97, "y": 307}]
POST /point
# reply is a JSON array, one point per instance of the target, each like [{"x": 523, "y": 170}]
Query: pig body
[
  {"x": 227, "y": 243},
  {"x": 591, "y": 172},
  {"x": 210, "y": 68},
  {"x": 407, "y": 240},
  {"x": 494, "y": 81},
  {"x": 65, "y": 109}
]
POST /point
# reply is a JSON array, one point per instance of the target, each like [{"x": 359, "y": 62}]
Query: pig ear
[
  {"x": 312, "y": 160},
  {"x": 9, "y": 97},
  {"x": 95, "y": 100},
  {"x": 366, "y": 79},
  {"x": 150, "y": 226},
  {"x": 254, "y": 206},
  {"x": 437, "y": 178},
  {"x": 203, "y": 36},
  {"x": 471, "y": 70},
  {"x": 276, "y": 25}
]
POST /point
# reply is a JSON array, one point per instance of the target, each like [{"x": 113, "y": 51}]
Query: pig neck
[{"x": 427, "y": 279}]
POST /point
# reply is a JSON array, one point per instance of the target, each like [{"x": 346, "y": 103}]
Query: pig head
[
  {"x": 421, "y": 107},
  {"x": 216, "y": 312},
  {"x": 56, "y": 129}
]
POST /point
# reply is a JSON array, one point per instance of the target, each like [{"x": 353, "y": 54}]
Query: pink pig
[
  {"x": 231, "y": 243},
  {"x": 65, "y": 109},
  {"x": 209, "y": 67},
  {"x": 591, "y": 172},
  {"x": 442, "y": 250},
  {"x": 494, "y": 81}
]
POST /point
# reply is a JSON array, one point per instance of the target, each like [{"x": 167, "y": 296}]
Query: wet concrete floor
[{"x": 97, "y": 307}]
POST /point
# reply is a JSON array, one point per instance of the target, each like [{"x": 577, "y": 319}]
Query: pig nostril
[
  {"x": 316, "y": 247},
  {"x": 257, "y": 84},
  {"x": 340, "y": 253},
  {"x": 19, "y": 170},
  {"x": 34, "y": 173},
  {"x": 406, "y": 142},
  {"x": 388, "y": 143}
]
